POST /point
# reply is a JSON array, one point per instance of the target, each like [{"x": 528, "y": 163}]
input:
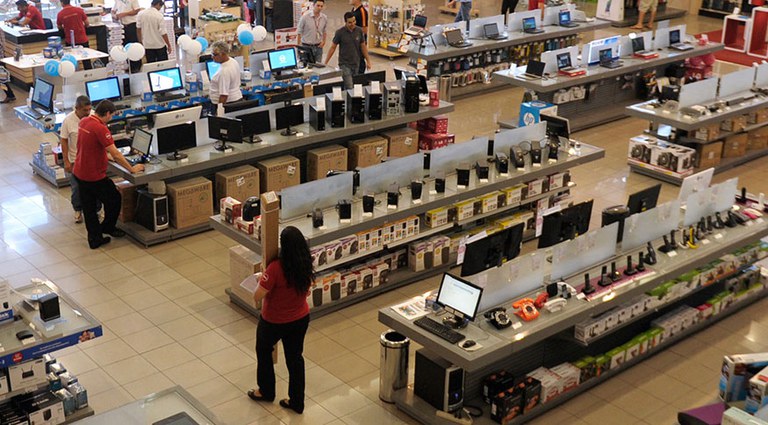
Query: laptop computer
[
  {"x": 455, "y": 38},
  {"x": 533, "y": 71},
  {"x": 492, "y": 32},
  {"x": 607, "y": 60},
  {"x": 564, "y": 19},
  {"x": 529, "y": 26},
  {"x": 675, "y": 42},
  {"x": 141, "y": 143},
  {"x": 638, "y": 49},
  {"x": 419, "y": 25}
]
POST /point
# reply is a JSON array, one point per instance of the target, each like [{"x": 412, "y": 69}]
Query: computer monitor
[
  {"x": 177, "y": 116},
  {"x": 492, "y": 250},
  {"x": 42, "y": 95},
  {"x": 365, "y": 79},
  {"x": 399, "y": 72},
  {"x": 282, "y": 59},
  {"x": 491, "y": 30},
  {"x": 674, "y": 37},
  {"x": 287, "y": 117},
  {"x": 321, "y": 89},
  {"x": 255, "y": 123},
  {"x": 212, "y": 67},
  {"x": 644, "y": 200},
  {"x": 459, "y": 297},
  {"x": 225, "y": 129},
  {"x": 105, "y": 89},
  {"x": 165, "y": 80},
  {"x": 564, "y": 17},
  {"x": 285, "y": 96},
  {"x": 565, "y": 224},
  {"x": 564, "y": 60},
  {"x": 306, "y": 55},
  {"x": 529, "y": 24},
  {"x": 171, "y": 140},
  {"x": 557, "y": 126},
  {"x": 240, "y": 105},
  {"x": 695, "y": 183},
  {"x": 141, "y": 142}
]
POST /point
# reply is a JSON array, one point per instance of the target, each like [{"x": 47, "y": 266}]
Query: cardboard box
[
  {"x": 709, "y": 155},
  {"x": 437, "y": 124},
  {"x": 279, "y": 173},
  {"x": 322, "y": 160},
  {"x": 708, "y": 133},
  {"x": 129, "y": 197},
  {"x": 243, "y": 263},
  {"x": 429, "y": 141},
  {"x": 402, "y": 142},
  {"x": 191, "y": 202},
  {"x": 737, "y": 370},
  {"x": 239, "y": 183},
  {"x": 437, "y": 217},
  {"x": 26, "y": 375},
  {"x": 735, "y": 146},
  {"x": 757, "y": 394},
  {"x": 366, "y": 152},
  {"x": 757, "y": 139}
]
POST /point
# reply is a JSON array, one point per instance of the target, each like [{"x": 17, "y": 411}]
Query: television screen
[
  {"x": 98, "y": 90},
  {"x": 42, "y": 95},
  {"x": 492, "y": 250},
  {"x": 165, "y": 80},
  {"x": 282, "y": 59}
]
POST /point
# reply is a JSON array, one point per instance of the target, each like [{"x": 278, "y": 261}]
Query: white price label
[
  {"x": 672, "y": 253},
  {"x": 705, "y": 241},
  {"x": 719, "y": 236}
]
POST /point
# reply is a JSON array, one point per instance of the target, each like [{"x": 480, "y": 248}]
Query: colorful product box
[{"x": 736, "y": 371}]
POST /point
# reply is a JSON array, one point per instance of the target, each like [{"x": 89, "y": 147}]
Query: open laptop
[
  {"x": 455, "y": 38},
  {"x": 492, "y": 32},
  {"x": 675, "y": 42},
  {"x": 607, "y": 60},
  {"x": 638, "y": 49},
  {"x": 564, "y": 19},
  {"x": 419, "y": 25},
  {"x": 533, "y": 71},
  {"x": 140, "y": 144},
  {"x": 529, "y": 26}
]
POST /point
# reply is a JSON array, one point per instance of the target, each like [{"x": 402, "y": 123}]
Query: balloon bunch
[
  {"x": 132, "y": 51},
  {"x": 193, "y": 46},
  {"x": 247, "y": 35},
  {"x": 66, "y": 67}
]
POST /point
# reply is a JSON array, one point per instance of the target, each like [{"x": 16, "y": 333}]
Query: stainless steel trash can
[
  {"x": 444, "y": 88},
  {"x": 393, "y": 364}
]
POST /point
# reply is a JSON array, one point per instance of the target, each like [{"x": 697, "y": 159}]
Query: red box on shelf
[
  {"x": 429, "y": 141},
  {"x": 438, "y": 124}
]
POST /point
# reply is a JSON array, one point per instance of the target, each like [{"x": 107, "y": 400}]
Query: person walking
[
  {"x": 73, "y": 21},
  {"x": 643, "y": 6},
  {"x": 150, "y": 25},
  {"x": 282, "y": 291},
  {"x": 94, "y": 141},
  {"x": 465, "y": 9},
  {"x": 225, "y": 84},
  {"x": 126, "y": 11},
  {"x": 68, "y": 136},
  {"x": 361, "y": 20},
  {"x": 312, "y": 30},
  {"x": 5, "y": 83},
  {"x": 352, "y": 49},
  {"x": 508, "y": 6}
]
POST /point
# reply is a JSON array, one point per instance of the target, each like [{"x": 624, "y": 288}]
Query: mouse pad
[{"x": 475, "y": 347}]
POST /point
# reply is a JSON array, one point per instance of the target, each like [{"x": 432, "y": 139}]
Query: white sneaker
[{"x": 78, "y": 217}]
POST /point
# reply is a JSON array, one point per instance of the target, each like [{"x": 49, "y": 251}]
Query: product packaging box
[
  {"x": 617, "y": 356},
  {"x": 42, "y": 408},
  {"x": 366, "y": 152},
  {"x": 28, "y": 374},
  {"x": 569, "y": 375},
  {"x": 735, "y": 146},
  {"x": 240, "y": 182},
  {"x": 279, "y": 173},
  {"x": 402, "y": 142},
  {"x": 430, "y": 141},
  {"x": 551, "y": 384},
  {"x": 437, "y": 217},
  {"x": 322, "y": 160},
  {"x": 191, "y": 202},
  {"x": 736, "y": 416},
  {"x": 736, "y": 371},
  {"x": 757, "y": 139},
  {"x": 496, "y": 383},
  {"x": 709, "y": 155},
  {"x": 230, "y": 209},
  {"x": 507, "y": 405},
  {"x": 437, "y": 124},
  {"x": 243, "y": 263},
  {"x": 465, "y": 209},
  {"x": 416, "y": 253},
  {"x": 129, "y": 197},
  {"x": 708, "y": 133},
  {"x": 757, "y": 393},
  {"x": 515, "y": 194}
]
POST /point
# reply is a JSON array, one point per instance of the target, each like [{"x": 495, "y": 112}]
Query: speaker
[
  {"x": 351, "y": 287},
  {"x": 49, "y": 307},
  {"x": 355, "y": 108},
  {"x": 411, "y": 94},
  {"x": 316, "y": 118},
  {"x": 152, "y": 211},
  {"x": 616, "y": 213},
  {"x": 317, "y": 297},
  {"x": 335, "y": 291},
  {"x": 126, "y": 87},
  {"x": 334, "y": 111},
  {"x": 438, "y": 382},
  {"x": 374, "y": 103}
]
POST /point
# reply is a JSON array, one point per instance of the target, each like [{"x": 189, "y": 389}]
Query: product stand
[
  {"x": 399, "y": 24},
  {"x": 549, "y": 340},
  {"x": 605, "y": 103},
  {"x": 430, "y": 55}
]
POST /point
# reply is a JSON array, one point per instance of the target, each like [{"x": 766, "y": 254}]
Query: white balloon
[
  {"x": 243, "y": 27},
  {"x": 118, "y": 54},
  {"x": 194, "y": 48},
  {"x": 259, "y": 33},
  {"x": 66, "y": 69},
  {"x": 182, "y": 40},
  {"x": 136, "y": 51}
]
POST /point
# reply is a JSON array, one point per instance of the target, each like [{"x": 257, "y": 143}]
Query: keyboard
[
  {"x": 681, "y": 46},
  {"x": 285, "y": 75},
  {"x": 122, "y": 107},
  {"x": 462, "y": 44},
  {"x": 171, "y": 96},
  {"x": 439, "y": 329},
  {"x": 33, "y": 113}
]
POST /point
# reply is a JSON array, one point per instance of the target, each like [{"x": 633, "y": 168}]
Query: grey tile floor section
[{"x": 168, "y": 322}]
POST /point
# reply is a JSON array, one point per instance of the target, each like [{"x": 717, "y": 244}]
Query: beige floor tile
[
  {"x": 147, "y": 340},
  {"x": 221, "y": 314},
  {"x": 168, "y": 356},
  {"x": 244, "y": 378},
  {"x": 215, "y": 392},
  {"x": 240, "y": 331},
  {"x": 342, "y": 400},
  {"x": 148, "y": 385},
  {"x": 184, "y": 327},
  {"x": 240, "y": 411},
  {"x": 127, "y": 285},
  {"x": 324, "y": 350},
  {"x": 581, "y": 404},
  {"x": 128, "y": 324},
  {"x": 347, "y": 367},
  {"x": 110, "y": 272},
  {"x": 110, "y": 352},
  {"x": 205, "y": 343},
  {"x": 227, "y": 360},
  {"x": 178, "y": 288},
  {"x": 97, "y": 381},
  {"x": 76, "y": 282},
  {"x": 314, "y": 414},
  {"x": 354, "y": 337},
  {"x": 331, "y": 324},
  {"x": 160, "y": 276},
  {"x": 91, "y": 296},
  {"x": 197, "y": 302},
  {"x": 163, "y": 313},
  {"x": 109, "y": 400},
  {"x": 130, "y": 370},
  {"x": 371, "y": 415},
  {"x": 640, "y": 403},
  {"x": 76, "y": 362},
  {"x": 556, "y": 416},
  {"x": 145, "y": 299},
  {"x": 607, "y": 414},
  {"x": 58, "y": 270},
  {"x": 190, "y": 373},
  {"x": 319, "y": 380},
  {"x": 110, "y": 310},
  {"x": 367, "y": 385},
  {"x": 268, "y": 420}
]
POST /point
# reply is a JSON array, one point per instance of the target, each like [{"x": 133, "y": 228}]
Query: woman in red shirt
[{"x": 283, "y": 290}]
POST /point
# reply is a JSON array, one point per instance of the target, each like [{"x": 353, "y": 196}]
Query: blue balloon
[
  {"x": 203, "y": 42},
  {"x": 70, "y": 58},
  {"x": 52, "y": 68},
  {"x": 245, "y": 38}
]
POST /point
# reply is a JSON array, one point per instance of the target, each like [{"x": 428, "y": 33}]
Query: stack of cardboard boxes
[
  {"x": 368, "y": 151},
  {"x": 47, "y": 159},
  {"x": 734, "y": 145},
  {"x": 433, "y": 133}
]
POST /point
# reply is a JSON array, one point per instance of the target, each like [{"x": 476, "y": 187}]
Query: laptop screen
[
  {"x": 563, "y": 60},
  {"x": 565, "y": 17},
  {"x": 420, "y": 21},
  {"x": 674, "y": 37},
  {"x": 142, "y": 140},
  {"x": 606, "y": 55},
  {"x": 535, "y": 68},
  {"x": 529, "y": 23},
  {"x": 491, "y": 30},
  {"x": 454, "y": 36},
  {"x": 638, "y": 44}
]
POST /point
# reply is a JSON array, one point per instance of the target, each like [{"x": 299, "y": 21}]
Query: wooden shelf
[{"x": 384, "y": 52}]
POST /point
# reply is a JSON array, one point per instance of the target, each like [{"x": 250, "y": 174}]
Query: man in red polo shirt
[
  {"x": 72, "y": 19},
  {"x": 93, "y": 142},
  {"x": 28, "y": 15}
]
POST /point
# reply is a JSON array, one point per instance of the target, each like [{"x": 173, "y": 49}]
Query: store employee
[
  {"x": 225, "y": 84},
  {"x": 28, "y": 15}
]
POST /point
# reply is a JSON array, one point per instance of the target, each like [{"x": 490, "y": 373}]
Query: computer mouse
[
  {"x": 24, "y": 334},
  {"x": 468, "y": 343}
]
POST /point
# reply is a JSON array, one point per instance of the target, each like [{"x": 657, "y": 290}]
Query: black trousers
[
  {"x": 8, "y": 90},
  {"x": 508, "y": 6},
  {"x": 157, "y": 55},
  {"x": 131, "y": 35},
  {"x": 103, "y": 190},
  {"x": 292, "y": 334}
]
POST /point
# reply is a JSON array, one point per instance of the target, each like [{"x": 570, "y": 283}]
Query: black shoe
[
  {"x": 8, "y": 100},
  {"x": 116, "y": 233},
  {"x": 285, "y": 403},
  {"x": 97, "y": 244}
]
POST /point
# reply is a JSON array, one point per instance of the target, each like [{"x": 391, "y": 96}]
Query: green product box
[
  {"x": 632, "y": 349},
  {"x": 617, "y": 356},
  {"x": 642, "y": 342},
  {"x": 587, "y": 367},
  {"x": 602, "y": 364},
  {"x": 654, "y": 337}
]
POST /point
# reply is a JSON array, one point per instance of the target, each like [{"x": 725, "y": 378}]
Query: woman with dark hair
[{"x": 282, "y": 291}]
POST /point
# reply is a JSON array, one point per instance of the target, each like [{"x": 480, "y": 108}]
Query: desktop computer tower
[
  {"x": 355, "y": 108},
  {"x": 374, "y": 104},
  {"x": 393, "y": 94},
  {"x": 316, "y": 118},
  {"x": 411, "y": 101},
  {"x": 334, "y": 111},
  {"x": 438, "y": 382},
  {"x": 152, "y": 211}
]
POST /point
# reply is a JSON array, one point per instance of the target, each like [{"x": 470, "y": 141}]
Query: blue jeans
[
  {"x": 465, "y": 10},
  {"x": 77, "y": 205},
  {"x": 347, "y": 71}
]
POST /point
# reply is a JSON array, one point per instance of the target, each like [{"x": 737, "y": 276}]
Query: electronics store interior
[{"x": 545, "y": 212}]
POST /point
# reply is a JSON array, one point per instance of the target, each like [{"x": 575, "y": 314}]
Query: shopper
[
  {"x": 255, "y": 12},
  {"x": 72, "y": 21},
  {"x": 508, "y": 6},
  {"x": 312, "y": 30},
  {"x": 282, "y": 291},
  {"x": 28, "y": 15},
  {"x": 361, "y": 20},
  {"x": 465, "y": 9},
  {"x": 150, "y": 25},
  {"x": 225, "y": 84},
  {"x": 68, "y": 137},
  {"x": 126, "y": 11},
  {"x": 352, "y": 49},
  {"x": 94, "y": 142},
  {"x": 642, "y": 7},
  {"x": 5, "y": 82}
]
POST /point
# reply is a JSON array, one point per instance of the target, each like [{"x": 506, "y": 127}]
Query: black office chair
[{"x": 48, "y": 23}]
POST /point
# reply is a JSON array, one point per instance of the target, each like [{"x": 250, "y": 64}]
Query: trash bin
[
  {"x": 444, "y": 88},
  {"x": 393, "y": 365}
]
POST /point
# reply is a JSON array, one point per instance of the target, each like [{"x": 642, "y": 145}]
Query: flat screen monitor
[
  {"x": 535, "y": 68},
  {"x": 212, "y": 67},
  {"x": 695, "y": 183},
  {"x": 565, "y": 224},
  {"x": 176, "y": 138},
  {"x": 529, "y": 24},
  {"x": 644, "y": 200},
  {"x": 563, "y": 60},
  {"x": 255, "y": 123},
  {"x": 306, "y": 55},
  {"x": 674, "y": 37},
  {"x": 492, "y": 250},
  {"x": 106, "y": 89},
  {"x": 564, "y": 17},
  {"x": 42, "y": 95},
  {"x": 240, "y": 105},
  {"x": 282, "y": 59},
  {"x": 289, "y": 116},
  {"x": 322, "y": 89},
  {"x": 142, "y": 141},
  {"x": 557, "y": 126},
  {"x": 225, "y": 129},
  {"x": 399, "y": 72},
  {"x": 365, "y": 79},
  {"x": 459, "y": 297},
  {"x": 165, "y": 80},
  {"x": 286, "y": 96}
]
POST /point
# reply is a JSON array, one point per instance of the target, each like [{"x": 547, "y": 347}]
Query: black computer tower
[
  {"x": 152, "y": 211},
  {"x": 355, "y": 108},
  {"x": 316, "y": 118},
  {"x": 374, "y": 104},
  {"x": 438, "y": 382},
  {"x": 334, "y": 111},
  {"x": 411, "y": 100}
]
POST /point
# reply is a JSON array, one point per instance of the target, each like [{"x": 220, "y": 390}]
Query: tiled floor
[{"x": 167, "y": 320}]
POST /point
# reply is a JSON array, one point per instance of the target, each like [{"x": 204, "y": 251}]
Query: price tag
[
  {"x": 705, "y": 241},
  {"x": 672, "y": 253},
  {"x": 516, "y": 325},
  {"x": 750, "y": 224},
  {"x": 719, "y": 236}
]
